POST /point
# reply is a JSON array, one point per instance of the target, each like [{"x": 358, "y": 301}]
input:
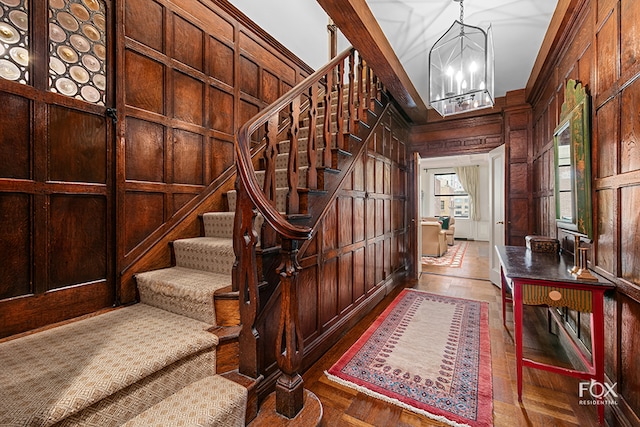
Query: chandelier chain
[{"x": 462, "y": 12}]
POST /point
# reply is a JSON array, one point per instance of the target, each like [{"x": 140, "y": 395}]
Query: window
[
  {"x": 14, "y": 53},
  {"x": 450, "y": 197},
  {"x": 77, "y": 47}
]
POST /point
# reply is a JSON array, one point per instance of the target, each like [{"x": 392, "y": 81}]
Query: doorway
[
  {"x": 496, "y": 193},
  {"x": 477, "y": 235}
]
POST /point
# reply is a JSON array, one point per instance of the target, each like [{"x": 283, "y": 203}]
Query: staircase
[
  {"x": 157, "y": 363},
  {"x": 118, "y": 367}
]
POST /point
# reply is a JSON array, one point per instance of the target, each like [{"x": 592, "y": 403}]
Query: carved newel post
[
  {"x": 289, "y": 344},
  {"x": 245, "y": 281}
]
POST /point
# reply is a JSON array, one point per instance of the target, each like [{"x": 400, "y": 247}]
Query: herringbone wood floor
[{"x": 548, "y": 399}]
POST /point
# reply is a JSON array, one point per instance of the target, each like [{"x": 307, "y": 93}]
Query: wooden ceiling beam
[{"x": 356, "y": 21}]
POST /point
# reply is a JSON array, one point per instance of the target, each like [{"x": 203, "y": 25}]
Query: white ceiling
[
  {"x": 413, "y": 26},
  {"x": 519, "y": 26}
]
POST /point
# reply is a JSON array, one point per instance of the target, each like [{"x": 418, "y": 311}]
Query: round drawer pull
[{"x": 555, "y": 295}]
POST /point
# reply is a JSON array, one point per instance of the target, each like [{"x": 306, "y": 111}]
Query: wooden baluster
[
  {"x": 368, "y": 94},
  {"x": 293, "y": 199},
  {"x": 361, "y": 92},
  {"x": 340, "y": 107},
  {"x": 268, "y": 238},
  {"x": 326, "y": 130},
  {"x": 245, "y": 280},
  {"x": 289, "y": 341},
  {"x": 351, "y": 98},
  {"x": 312, "y": 144},
  {"x": 374, "y": 92}
]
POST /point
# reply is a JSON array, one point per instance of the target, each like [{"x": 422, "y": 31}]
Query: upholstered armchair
[
  {"x": 434, "y": 241},
  {"x": 449, "y": 231}
]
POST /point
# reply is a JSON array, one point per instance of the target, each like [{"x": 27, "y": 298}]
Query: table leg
[
  {"x": 517, "y": 322},
  {"x": 503, "y": 291},
  {"x": 597, "y": 344}
]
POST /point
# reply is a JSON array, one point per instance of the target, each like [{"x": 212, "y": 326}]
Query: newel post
[
  {"x": 289, "y": 343},
  {"x": 245, "y": 281}
]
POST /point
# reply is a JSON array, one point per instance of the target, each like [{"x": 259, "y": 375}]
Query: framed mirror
[{"x": 572, "y": 146}]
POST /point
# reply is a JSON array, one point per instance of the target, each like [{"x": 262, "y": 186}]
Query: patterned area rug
[
  {"x": 429, "y": 354},
  {"x": 453, "y": 257}
]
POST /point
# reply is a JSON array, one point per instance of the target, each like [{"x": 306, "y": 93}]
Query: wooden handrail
[
  {"x": 246, "y": 171},
  {"x": 288, "y": 114}
]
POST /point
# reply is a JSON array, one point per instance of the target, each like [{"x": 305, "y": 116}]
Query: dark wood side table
[{"x": 538, "y": 278}]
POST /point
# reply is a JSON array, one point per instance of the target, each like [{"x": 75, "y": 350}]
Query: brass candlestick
[
  {"x": 576, "y": 255},
  {"x": 583, "y": 272}
]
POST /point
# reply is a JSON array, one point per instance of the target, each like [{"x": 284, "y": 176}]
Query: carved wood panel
[
  {"x": 16, "y": 248},
  {"x": 77, "y": 236},
  {"x": 604, "y": 147},
  {"x": 630, "y": 339},
  {"x": 630, "y": 128},
  {"x": 14, "y": 138},
  {"x": 630, "y": 244}
]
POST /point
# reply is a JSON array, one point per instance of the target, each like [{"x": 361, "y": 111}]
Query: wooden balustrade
[{"x": 284, "y": 117}]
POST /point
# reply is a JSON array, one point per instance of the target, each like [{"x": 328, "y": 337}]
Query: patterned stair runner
[{"x": 106, "y": 369}]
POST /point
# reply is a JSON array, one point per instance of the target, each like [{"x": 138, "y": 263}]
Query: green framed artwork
[{"x": 572, "y": 146}]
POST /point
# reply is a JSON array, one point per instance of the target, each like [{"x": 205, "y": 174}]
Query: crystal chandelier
[{"x": 461, "y": 69}]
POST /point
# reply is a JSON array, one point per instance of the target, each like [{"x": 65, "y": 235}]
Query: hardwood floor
[{"x": 548, "y": 399}]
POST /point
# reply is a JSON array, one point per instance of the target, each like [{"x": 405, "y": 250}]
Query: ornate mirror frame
[{"x": 572, "y": 148}]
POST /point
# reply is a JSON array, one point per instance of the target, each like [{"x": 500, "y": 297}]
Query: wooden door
[{"x": 55, "y": 163}]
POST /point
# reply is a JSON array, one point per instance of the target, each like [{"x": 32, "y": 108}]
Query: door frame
[{"x": 498, "y": 214}]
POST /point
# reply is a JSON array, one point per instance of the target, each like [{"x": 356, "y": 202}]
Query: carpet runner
[
  {"x": 429, "y": 354},
  {"x": 453, "y": 257}
]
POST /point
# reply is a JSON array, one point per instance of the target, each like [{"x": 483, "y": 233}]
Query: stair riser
[
  {"x": 281, "y": 199},
  {"x": 282, "y": 178},
  {"x": 213, "y": 260},
  {"x": 221, "y": 224}
]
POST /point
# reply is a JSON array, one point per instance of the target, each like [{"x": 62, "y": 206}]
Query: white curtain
[{"x": 468, "y": 176}]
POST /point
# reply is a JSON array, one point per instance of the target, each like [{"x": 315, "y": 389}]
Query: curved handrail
[
  {"x": 246, "y": 172},
  {"x": 338, "y": 144}
]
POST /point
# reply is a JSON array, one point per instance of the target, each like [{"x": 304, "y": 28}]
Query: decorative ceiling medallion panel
[
  {"x": 14, "y": 41},
  {"x": 77, "y": 52}
]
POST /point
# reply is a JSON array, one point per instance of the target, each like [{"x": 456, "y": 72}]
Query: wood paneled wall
[
  {"x": 601, "y": 49},
  {"x": 192, "y": 73},
  {"x": 459, "y": 135},
  {"x": 83, "y": 199},
  {"x": 508, "y": 123},
  {"x": 56, "y": 199},
  {"x": 518, "y": 174},
  {"x": 360, "y": 248}
]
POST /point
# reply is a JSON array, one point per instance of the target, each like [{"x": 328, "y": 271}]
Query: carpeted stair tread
[
  {"x": 182, "y": 291},
  {"x": 213, "y": 401},
  {"x": 51, "y": 375},
  {"x": 212, "y": 254}
]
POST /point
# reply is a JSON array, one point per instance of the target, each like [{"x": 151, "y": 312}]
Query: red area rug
[
  {"x": 429, "y": 354},
  {"x": 453, "y": 257}
]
